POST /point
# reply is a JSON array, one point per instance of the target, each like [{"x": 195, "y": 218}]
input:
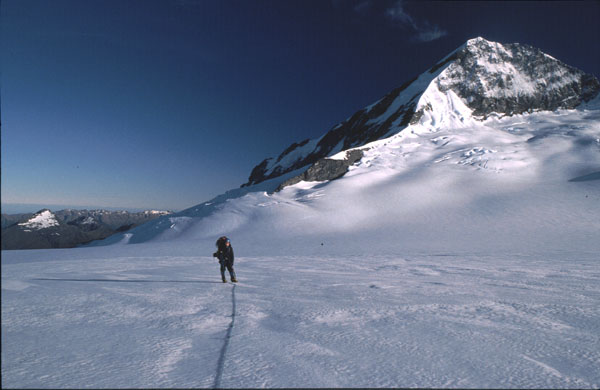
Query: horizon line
[{"x": 24, "y": 208}]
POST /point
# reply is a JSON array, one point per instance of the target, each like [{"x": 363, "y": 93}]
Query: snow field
[{"x": 113, "y": 320}]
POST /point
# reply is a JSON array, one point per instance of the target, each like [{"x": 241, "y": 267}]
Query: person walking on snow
[{"x": 225, "y": 255}]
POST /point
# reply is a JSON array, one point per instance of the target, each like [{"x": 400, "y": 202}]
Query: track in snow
[{"x": 221, "y": 362}]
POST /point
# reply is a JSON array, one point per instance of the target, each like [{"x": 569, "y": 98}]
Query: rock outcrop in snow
[
  {"x": 479, "y": 79},
  {"x": 326, "y": 169}
]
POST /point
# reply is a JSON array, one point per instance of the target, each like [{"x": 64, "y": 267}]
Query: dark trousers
[{"x": 229, "y": 266}]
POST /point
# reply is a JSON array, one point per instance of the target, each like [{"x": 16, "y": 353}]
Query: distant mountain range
[{"x": 68, "y": 228}]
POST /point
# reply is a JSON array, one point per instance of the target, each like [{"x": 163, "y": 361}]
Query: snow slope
[{"x": 500, "y": 184}]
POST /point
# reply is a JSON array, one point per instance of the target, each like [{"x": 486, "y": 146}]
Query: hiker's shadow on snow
[{"x": 125, "y": 280}]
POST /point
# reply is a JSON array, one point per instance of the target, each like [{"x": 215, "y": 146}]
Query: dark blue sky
[{"x": 165, "y": 104}]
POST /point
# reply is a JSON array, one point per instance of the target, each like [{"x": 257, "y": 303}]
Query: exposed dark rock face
[
  {"x": 512, "y": 79},
  {"x": 258, "y": 173},
  {"x": 489, "y": 77},
  {"x": 325, "y": 169}
]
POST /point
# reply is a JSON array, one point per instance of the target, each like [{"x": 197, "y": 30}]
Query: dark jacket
[{"x": 225, "y": 255}]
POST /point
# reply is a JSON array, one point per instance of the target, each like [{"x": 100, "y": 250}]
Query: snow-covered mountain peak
[
  {"x": 480, "y": 42},
  {"x": 473, "y": 41},
  {"x": 41, "y": 220},
  {"x": 509, "y": 79},
  {"x": 478, "y": 80}
]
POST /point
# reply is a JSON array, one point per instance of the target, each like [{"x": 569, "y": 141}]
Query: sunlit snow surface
[
  {"x": 157, "y": 315},
  {"x": 464, "y": 256}
]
